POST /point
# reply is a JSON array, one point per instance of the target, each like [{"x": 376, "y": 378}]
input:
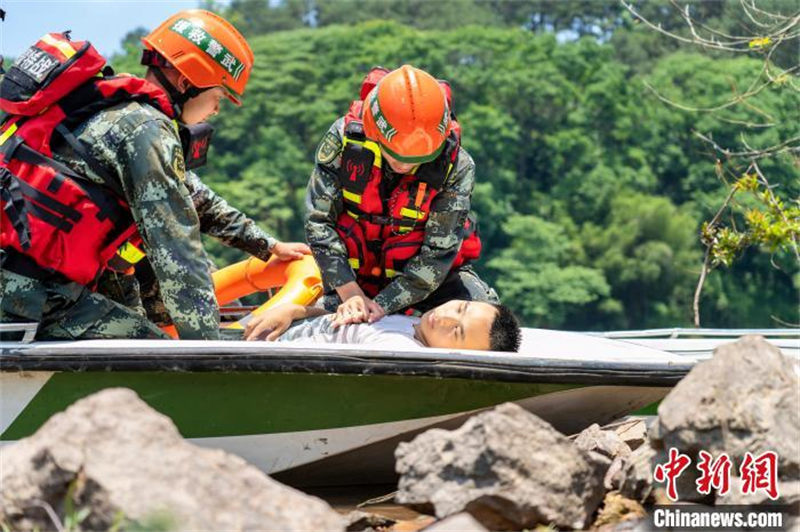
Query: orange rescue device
[{"x": 300, "y": 280}]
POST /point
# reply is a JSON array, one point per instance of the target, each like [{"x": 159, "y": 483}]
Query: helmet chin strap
[{"x": 177, "y": 98}]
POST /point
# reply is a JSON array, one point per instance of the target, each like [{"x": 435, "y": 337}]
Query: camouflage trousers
[
  {"x": 139, "y": 291},
  {"x": 462, "y": 283},
  {"x": 69, "y": 311}
]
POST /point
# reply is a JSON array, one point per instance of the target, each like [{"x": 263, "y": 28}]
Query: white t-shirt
[{"x": 390, "y": 332}]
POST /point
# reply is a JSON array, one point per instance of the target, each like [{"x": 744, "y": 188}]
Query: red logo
[
  {"x": 760, "y": 473},
  {"x": 757, "y": 473},
  {"x": 199, "y": 148},
  {"x": 714, "y": 473},
  {"x": 670, "y": 471},
  {"x": 355, "y": 169}
]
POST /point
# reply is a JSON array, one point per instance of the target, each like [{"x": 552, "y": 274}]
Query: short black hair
[{"x": 505, "y": 334}]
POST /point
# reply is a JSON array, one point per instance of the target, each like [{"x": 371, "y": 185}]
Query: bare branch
[
  {"x": 699, "y": 289},
  {"x": 747, "y": 12},
  {"x": 789, "y": 29},
  {"x": 783, "y": 323},
  {"x": 730, "y": 103},
  {"x": 51, "y": 513},
  {"x": 776, "y": 16},
  {"x": 785, "y": 146},
  {"x": 751, "y": 125}
]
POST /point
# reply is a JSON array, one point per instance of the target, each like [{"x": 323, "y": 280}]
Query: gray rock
[
  {"x": 788, "y": 494},
  {"x": 743, "y": 399},
  {"x": 633, "y": 432},
  {"x": 358, "y": 521},
  {"x": 506, "y": 467},
  {"x": 117, "y": 456},
  {"x": 604, "y": 442},
  {"x": 635, "y": 480},
  {"x": 609, "y": 446},
  {"x": 462, "y": 522},
  {"x": 629, "y": 525}
]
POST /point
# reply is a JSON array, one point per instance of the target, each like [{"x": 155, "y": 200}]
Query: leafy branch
[{"x": 772, "y": 223}]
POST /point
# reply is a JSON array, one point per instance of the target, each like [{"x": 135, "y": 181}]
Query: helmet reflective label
[
  {"x": 213, "y": 48},
  {"x": 386, "y": 129},
  {"x": 445, "y": 121}
]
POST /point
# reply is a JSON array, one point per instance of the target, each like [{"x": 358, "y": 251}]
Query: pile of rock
[
  {"x": 110, "y": 460},
  {"x": 510, "y": 470},
  {"x": 115, "y": 460}
]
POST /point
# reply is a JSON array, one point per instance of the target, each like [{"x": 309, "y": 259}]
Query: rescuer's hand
[
  {"x": 290, "y": 250},
  {"x": 357, "y": 309},
  {"x": 272, "y": 323}
]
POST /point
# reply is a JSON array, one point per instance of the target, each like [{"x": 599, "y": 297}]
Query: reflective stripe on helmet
[{"x": 213, "y": 48}]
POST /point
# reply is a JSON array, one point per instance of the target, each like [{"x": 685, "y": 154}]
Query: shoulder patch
[
  {"x": 178, "y": 165},
  {"x": 329, "y": 148}
]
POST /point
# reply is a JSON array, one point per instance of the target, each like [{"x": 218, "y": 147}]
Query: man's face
[
  {"x": 203, "y": 106},
  {"x": 458, "y": 324},
  {"x": 397, "y": 166}
]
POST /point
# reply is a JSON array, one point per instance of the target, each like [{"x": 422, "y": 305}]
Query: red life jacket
[
  {"x": 383, "y": 229},
  {"x": 54, "y": 223}
]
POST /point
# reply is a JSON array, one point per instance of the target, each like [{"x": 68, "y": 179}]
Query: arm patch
[{"x": 329, "y": 148}]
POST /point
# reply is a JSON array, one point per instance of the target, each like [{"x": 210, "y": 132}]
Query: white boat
[{"x": 333, "y": 414}]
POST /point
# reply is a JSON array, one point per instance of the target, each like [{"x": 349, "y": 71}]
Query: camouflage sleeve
[
  {"x": 443, "y": 235},
  {"x": 152, "y": 169},
  {"x": 323, "y": 206},
  {"x": 226, "y": 223}
]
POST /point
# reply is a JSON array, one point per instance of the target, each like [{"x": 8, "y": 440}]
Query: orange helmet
[
  {"x": 206, "y": 49},
  {"x": 407, "y": 114}
]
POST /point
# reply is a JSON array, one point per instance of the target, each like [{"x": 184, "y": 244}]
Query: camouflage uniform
[
  {"x": 427, "y": 279},
  {"x": 217, "y": 219},
  {"x": 140, "y": 145}
]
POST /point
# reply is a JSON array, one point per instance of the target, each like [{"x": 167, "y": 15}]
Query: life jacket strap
[
  {"x": 15, "y": 208},
  {"x": 16, "y": 262}
]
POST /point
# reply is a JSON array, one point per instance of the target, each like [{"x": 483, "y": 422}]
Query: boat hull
[
  {"x": 283, "y": 421},
  {"x": 331, "y": 414}
]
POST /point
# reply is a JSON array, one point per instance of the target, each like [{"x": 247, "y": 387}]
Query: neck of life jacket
[
  {"x": 56, "y": 224},
  {"x": 383, "y": 227}
]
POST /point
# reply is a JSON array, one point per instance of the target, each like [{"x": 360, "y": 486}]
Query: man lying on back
[{"x": 457, "y": 324}]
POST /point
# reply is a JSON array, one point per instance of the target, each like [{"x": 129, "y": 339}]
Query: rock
[
  {"x": 616, "y": 509},
  {"x": 604, "y": 442},
  {"x": 462, "y": 522},
  {"x": 117, "y": 456},
  {"x": 633, "y": 432},
  {"x": 413, "y": 525},
  {"x": 629, "y": 525},
  {"x": 358, "y": 521},
  {"x": 506, "y": 467},
  {"x": 635, "y": 479},
  {"x": 608, "y": 445},
  {"x": 743, "y": 399},
  {"x": 788, "y": 494},
  {"x": 613, "y": 476}
]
